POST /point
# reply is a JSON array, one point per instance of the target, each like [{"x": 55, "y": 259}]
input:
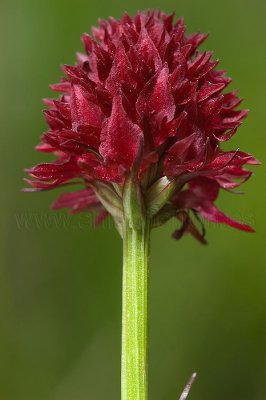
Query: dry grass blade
[{"x": 186, "y": 391}]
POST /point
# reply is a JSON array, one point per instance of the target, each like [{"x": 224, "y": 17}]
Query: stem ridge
[{"x": 134, "y": 312}]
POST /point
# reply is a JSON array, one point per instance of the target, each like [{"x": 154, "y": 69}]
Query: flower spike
[{"x": 143, "y": 83}]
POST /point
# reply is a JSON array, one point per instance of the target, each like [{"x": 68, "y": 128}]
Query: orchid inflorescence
[{"x": 144, "y": 99}]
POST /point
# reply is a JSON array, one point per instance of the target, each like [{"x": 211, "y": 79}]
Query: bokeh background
[{"x": 60, "y": 278}]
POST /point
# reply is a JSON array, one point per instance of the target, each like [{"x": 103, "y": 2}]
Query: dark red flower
[{"x": 143, "y": 98}]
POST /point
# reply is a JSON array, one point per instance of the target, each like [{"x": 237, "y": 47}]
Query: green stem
[{"x": 134, "y": 371}]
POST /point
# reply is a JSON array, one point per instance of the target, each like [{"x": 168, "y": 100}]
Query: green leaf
[
  {"x": 159, "y": 194},
  {"x": 133, "y": 204},
  {"x": 110, "y": 200}
]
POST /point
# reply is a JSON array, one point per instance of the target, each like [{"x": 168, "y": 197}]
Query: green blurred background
[{"x": 60, "y": 279}]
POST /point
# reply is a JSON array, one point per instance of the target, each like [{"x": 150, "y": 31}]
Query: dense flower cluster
[{"x": 142, "y": 94}]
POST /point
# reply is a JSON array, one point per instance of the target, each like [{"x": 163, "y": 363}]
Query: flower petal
[
  {"x": 121, "y": 138},
  {"x": 156, "y": 98},
  {"x": 80, "y": 200},
  {"x": 84, "y": 112},
  {"x": 211, "y": 213},
  {"x": 60, "y": 170}
]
